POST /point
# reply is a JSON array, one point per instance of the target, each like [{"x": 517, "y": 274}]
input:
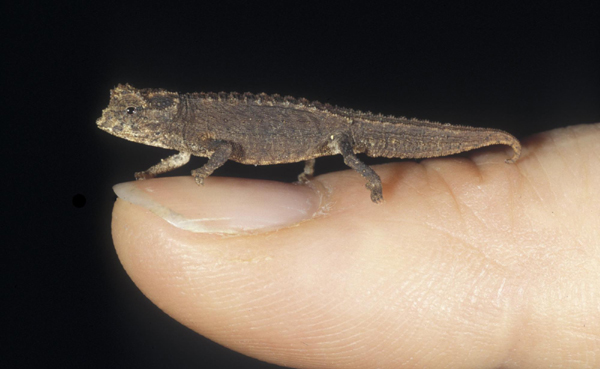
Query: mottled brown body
[{"x": 270, "y": 129}]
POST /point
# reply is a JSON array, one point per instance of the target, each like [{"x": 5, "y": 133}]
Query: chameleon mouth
[
  {"x": 101, "y": 123},
  {"x": 108, "y": 124}
]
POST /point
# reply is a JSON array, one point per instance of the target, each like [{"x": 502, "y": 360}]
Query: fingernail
[{"x": 223, "y": 205}]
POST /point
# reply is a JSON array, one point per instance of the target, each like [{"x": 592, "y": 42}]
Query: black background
[{"x": 523, "y": 67}]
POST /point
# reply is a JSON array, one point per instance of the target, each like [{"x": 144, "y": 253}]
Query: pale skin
[{"x": 469, "y": 263}]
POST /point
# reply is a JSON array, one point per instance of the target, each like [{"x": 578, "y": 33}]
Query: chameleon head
[{"x": 140, "y": 115}]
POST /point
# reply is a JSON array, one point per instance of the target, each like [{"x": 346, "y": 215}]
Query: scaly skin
[{"x": 269, "y": 129}]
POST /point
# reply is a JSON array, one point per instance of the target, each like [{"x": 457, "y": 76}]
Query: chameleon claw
[
  {"x": 376, "y": 197},
  {"x": 376, "y": 192},
  {"x": 198, "y": 177}
]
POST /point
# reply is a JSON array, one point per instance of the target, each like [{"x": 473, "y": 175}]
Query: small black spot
[
  {"x": 79, "y": 200},
  {"x": 130, "y": 110}
]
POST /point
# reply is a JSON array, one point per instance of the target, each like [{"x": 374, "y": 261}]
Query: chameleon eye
[{"x": 130, "y": 110}]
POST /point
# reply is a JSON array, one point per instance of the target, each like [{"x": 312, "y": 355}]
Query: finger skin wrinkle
[
  {"x": 559, "y": 158},
  {"x": 538, "y": 181},
  {"x": 438, "y": 179},
  {"x": 473, "y": 204},
  {"x": 581, "y": 171},
  {"x": 463, "y": 241}
]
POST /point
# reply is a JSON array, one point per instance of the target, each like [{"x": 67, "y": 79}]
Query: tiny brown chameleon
[{"x": 270, "y": 129}]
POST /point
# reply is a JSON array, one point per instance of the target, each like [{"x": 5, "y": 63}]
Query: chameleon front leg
[
  {"x": 344, "y": 146},
  {"x": 220, "y": 155},
  {"x": 165, "y": 165}
]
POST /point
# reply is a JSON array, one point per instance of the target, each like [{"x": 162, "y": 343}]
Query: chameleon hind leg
[{"x": 344, "y": 146}]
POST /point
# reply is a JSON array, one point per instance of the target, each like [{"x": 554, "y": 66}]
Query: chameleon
[{"x": 262, "y": 129}]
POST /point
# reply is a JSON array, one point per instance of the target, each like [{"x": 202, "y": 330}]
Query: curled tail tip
[
  {"x": 516, "y": 155},
  {"x": 514, "y": 143}
]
